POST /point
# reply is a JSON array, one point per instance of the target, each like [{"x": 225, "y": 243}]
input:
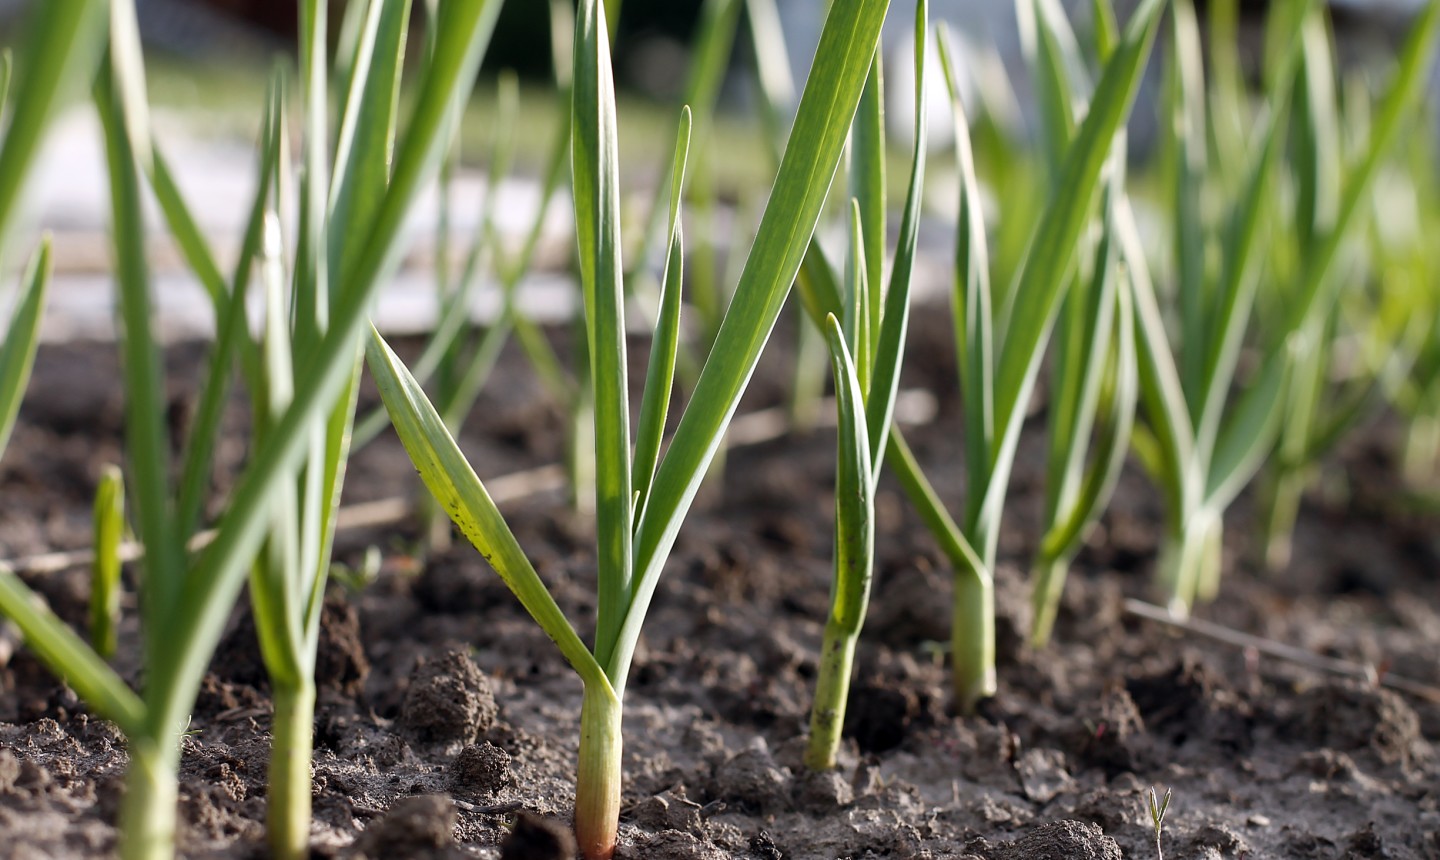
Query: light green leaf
[
  {"x": 22, "y": 337},
  {"x": 109, "y": 526},
  {"x": 1191, "y": 158},
  {"x": 894, "y": 323},
  {"x": 1166, "y": 445},
  {"x": 1041, "y": 284},
  {"x": 147, "y": 438},
  {"x": 868, "y": 190},
  {"x": 854, "y": 492},
  {"x": 826, "y": 110},
  {"x": 660, "y": 372},
  {"x": 367, "y": 130},
  {"x": 1247, "y": 438},
  {"x": 459, "y": 491},
  {"x": 62, "y": 46},
  {"x": 971, "y": 301},
  {"x": 69, "y": 657},
  {"x": 595, "y": 169}
]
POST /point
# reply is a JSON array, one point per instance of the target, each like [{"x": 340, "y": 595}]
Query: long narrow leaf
[
  {"x": 1037, "y": 294},
  {"x": 1247, "y": 437},
  {"x": 660, "y": 372},
  {"x": 895, "y": 321},
  {"x": 233, "y": 336},
  {"x": 826, "y": 109},
  {"x": 1161, "y": 391},
  {"x": 971, "y": 300},
  {"x": 455, "y": 486},
  {"x": 868, "y": 188},
  {"x": 62, "y": 47},
  {"x": 1188, "y": 128},
  {"x": 595, "y": 167},
  {"x": 146, "y": 436},
  {"x": 854, "y": 493},
  {"x": 22, "y": 336},
  {"x": 367, "y": 131},
  {"x": 69, "y": 657}
]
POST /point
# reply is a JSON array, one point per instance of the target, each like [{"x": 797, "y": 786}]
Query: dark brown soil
[{"x": 447, "y": 720}]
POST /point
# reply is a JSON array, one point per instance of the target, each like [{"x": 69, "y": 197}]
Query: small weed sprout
[{"x": 1158, "y": 806}]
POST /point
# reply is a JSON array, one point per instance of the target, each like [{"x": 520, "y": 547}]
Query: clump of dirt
[
  {"x": 1351, "y": 717},
  {"x": 1061, "y": 840},
  {"x": 420, "y": 827},
  {"x": 1109, "y": 731},
  {"x": 538, "y": 838},
  {"x": 481, "y": 770},
  {"x": 752, "y": 780},
  {"x": 449, "y": 700}
]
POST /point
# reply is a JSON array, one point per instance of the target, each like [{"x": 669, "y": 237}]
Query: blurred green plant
[
  {"x": 1201, "y": 443},
  {"x": 109, "y": 525},
  {"x": 1094, "y": 384}
]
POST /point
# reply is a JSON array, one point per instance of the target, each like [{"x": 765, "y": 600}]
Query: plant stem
[
  {"x": 1048, "y": 584},
  {"x": 1422, "y": 449},
  {"x": 580, "y": 454},
  {"x": 597, "y": 786},
  {"x": 972, "y": 638},
  {"x": 1189, "y": 566},
  {"x": 147, "y": 812},
  {"x": 287, "y": 821},
  {"x": 1207, "y": 585},
  {"x": 832, "y": 691},
  {"x": 1284, "y": 507}
]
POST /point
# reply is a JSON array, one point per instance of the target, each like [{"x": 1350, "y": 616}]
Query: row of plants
[{"x": 1278, "y": 308}]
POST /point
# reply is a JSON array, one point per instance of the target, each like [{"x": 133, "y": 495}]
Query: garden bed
[{"x": 445, "y": 713}]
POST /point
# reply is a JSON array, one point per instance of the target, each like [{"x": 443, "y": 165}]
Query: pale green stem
[
  {"x": 1190, "y": 562},
  {"x": 581, "y": 455},
  {"x": 1207, "y": 585},
  {"x": 1422, "y": 448},
  {"x": 1173, "y": 571},
  {"x": 972, "y": 638},
  {"x": 832, "y": 690},
  {"x": 597, "y": 787},
  {"x": 1048, "y": 583},
  {"x": 148, "y": 810},
  {"x": 287, "y": 818},
  {"x": 1282, "y": 511}
]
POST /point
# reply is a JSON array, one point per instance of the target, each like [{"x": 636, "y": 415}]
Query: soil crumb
[
  {"x": 535, "y": 837},
  {"x": 480, "y": 770},
  {"x": 1062, "y": 840},
  {"x": 449, "y": 700},
  {"x": 421, "y": 828}
]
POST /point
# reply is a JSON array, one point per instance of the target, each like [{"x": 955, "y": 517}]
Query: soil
[{"x": 447, "y": 722}]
